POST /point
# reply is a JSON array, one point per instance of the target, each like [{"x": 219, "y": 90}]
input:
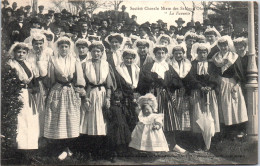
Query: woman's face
[
  {"x": 202, "y": 54},
  {"x": 178, "y": 55},
  {"x": 147, "y": 110},
  {"x": 240, "y": 48},
  {"x": 190, "y": 42},
  {"x": 104, "y": 24},
  {"x": 211, "y": 38},
  {"x": 164, "y": 42},
  {"x": 160, "y": 55},
  {"x": 128, "y": 60},
  {"x": 142, "y": 50},
  {"x": 96, "y": 53},
  {"x": 64, "y": 49},
  {"x": 38, "y": 45},
  {"x": 82, "y": 49},
  {"x": 202, "y": 41},
  {"x": 20, "y": 54},
  {"x": 223, "y": 48},
  {"x": 179, "y": 41},
  {"x": 115, "y": 45}
]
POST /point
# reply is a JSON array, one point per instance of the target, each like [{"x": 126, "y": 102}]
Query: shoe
[
  {"x": 63, "y": 155},
  {"x": 113, "y": 158},
  {"x": 69, "y": 152},
  {"x": 241, "y": 135},
  {"x": 89, "y": 156},
  {"x": 178, "y": 149}
]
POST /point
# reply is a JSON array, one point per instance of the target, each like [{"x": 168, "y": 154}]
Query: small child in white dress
[{"x": 148, "y": 134}]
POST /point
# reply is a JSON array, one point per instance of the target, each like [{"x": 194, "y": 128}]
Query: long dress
[
  {"x": 183, "y": 96},
  {"x": 62, "y": 118},
  {"x": 40, "y": 70},
  {"x": 163, "y": 89},
  {"x": 145, "y": 138},
  {"x": 28, "y": 130},
  {"x": 232, "y": 108},
  {"x": 99, "y": 83},
  {"x": 203, "y": 72},
  {"x": 127, "y": 78}
]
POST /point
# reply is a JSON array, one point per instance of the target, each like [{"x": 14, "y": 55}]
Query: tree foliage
[{"x": 10, "y": 107}]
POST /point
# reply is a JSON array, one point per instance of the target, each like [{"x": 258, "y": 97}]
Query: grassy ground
[{"x": 224, "y": 152}]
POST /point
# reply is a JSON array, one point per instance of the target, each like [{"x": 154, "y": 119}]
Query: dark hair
[
  {"x": 125, "y": 53},
  {"x": 223, "y": 42},
  {"x": 244, "y": 43},
  {"x": 190, "y": 37},
  {"x": 48, "y": 35},
  {"x": 99, "y": 46},
  {"x": 165, "y": 38},
  {"x": 160, "y": 48},
  {"x": 82, "y": 44},
  {"x": 142, "y": 44},
  {"x": 117, "y": 37},
  {"x": 178, "y": 49},
  {"x": 210, "y": 33},
  {"x": 20, "y": 47},
  {"x": 63, "y": 42},
  {"x": 33, "y": 40},
  {"x": 203, "y": 49}
]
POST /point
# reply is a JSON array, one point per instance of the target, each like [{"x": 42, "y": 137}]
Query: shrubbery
[{"x": 10, "y": 107}]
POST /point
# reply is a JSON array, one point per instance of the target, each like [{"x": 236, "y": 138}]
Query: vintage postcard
[{"x": 120, "y": 82}]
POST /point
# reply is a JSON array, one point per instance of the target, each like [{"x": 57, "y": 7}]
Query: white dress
[
  {"x": 145, "y": 138},
  {"x": 28, "y": 118},
  {"x": 92, "y": 119},
  {"x": 62, "y": 113},
  {"x": 40, "y": 70},
  {"x": 232, "y": 108}
]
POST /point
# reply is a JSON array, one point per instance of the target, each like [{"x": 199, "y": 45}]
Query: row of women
[{"x": 89, "y": 93}]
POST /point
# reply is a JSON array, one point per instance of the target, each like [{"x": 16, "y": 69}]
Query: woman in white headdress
[
  {"x": 167, "y": 41},
  {"x": 81, "y": 49},
  {"x": 114, "y": 55},
  {"x": 50, "y": 37},
  {"x": 100, "y": 82},
  {"x": 203, "y": 72},
  {"x": 190, "y": 39},
  {"x": 232, "y": 109},
  {"x": 66, "y": 82},
  {"x": 182, "y": 66},
  {"x": 28, "y": 129},
  {"x": 212, "y": 35},
  {"x": 39, "y": 57},
  {"x": 159, "y": 78},
  {"x": 144, "y": 49},
  {"x": 127, "y": 76}
]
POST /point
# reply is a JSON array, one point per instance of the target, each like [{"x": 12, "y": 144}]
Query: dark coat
[{"x": 149, "y": 80}]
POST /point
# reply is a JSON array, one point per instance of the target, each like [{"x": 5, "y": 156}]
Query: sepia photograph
[{"x": 127, "y": 82}]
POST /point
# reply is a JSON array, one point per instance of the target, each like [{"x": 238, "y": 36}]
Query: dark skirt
[{"x": 118, "y": 132}]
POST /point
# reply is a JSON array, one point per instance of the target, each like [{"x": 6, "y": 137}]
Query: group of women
[{"x": 86, "y": 91}]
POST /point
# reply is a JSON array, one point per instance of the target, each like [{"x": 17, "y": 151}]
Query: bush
[{"x": 10, "y": 107}]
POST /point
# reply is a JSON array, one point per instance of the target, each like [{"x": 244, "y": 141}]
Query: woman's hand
[
  {"x": 87, "y": 102},
  {"x": 206, "y": 89},
  {"x": 235, "y": 88},
  {"x": 182, "y": 91},
  {"x": 107, "y": 103}
]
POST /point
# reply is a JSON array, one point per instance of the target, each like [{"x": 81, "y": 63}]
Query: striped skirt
[
  {"x": 167, "y": 107},
  {"x": 183, "y": 110},
  {"x": 92, "y": 119},
  {"x": 62, "y": 118}
]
